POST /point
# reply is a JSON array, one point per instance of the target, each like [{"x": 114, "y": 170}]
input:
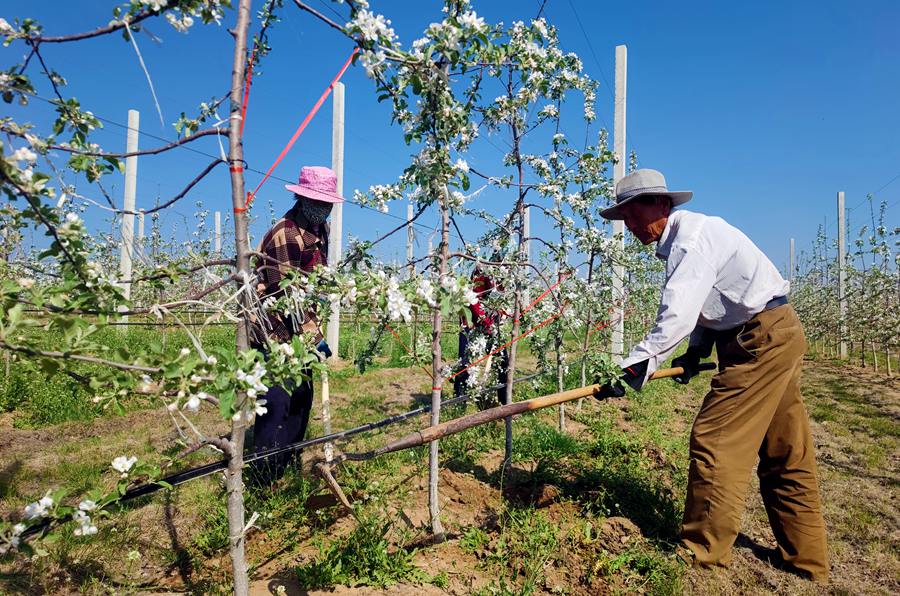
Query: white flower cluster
[
  {"x": 25, "y": 154},
  {"x": 473, "y": 22},
  {"x": 252, "y": 381},
  {"x": 352, "y": 293},
  {"x": 5, "y": 27},
  {"x": 85, "y": 527},
  {"x": 459, "y": 289},
  {"x": 16, "y": 537},
  {"x": 123, "y": 464},
  {"x": 374, "y": 28},
  {"x": 40, "y": 508},
  {"x": 378, "y": 196},
  {"x": 425, "y": 291},
  {"x": 155, "y": 5},
  {"x": 549, "y": 111},
  {"x": 397, "y": 304},
  {"x": 372, "y": 62},
  {"x": 180, "y": 23}
]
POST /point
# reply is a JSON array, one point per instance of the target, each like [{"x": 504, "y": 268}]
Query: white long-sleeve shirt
[{"x": 716, "y": 278}]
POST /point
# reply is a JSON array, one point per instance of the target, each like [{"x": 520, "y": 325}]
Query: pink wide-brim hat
[{"x": 317, "y": 183}]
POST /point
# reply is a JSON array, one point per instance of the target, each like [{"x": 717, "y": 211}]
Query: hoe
[{"x": 457, "y": 425}]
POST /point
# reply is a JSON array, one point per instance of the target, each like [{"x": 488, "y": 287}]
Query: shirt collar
[{"x": 664, "y": 244}]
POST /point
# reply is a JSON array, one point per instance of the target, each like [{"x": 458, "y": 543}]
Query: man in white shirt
[{"x": 721, "y": 289}]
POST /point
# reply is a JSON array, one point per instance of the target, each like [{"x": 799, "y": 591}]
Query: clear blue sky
[{"x": 764, "y": 109}]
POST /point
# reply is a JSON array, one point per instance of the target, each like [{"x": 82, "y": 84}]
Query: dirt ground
[{"x": 855, "y": 423}]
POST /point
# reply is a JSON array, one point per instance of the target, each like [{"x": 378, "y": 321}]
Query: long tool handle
[{"x": 451, "y": 427}]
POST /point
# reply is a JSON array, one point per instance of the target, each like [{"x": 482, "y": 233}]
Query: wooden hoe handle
[{"x": 451, "y": 427}]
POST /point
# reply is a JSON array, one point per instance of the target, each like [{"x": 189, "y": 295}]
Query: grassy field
[{"x": 595, "y": 510}]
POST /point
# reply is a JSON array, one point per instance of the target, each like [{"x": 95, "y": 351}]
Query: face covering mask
[{"x": 315, "y": 212}]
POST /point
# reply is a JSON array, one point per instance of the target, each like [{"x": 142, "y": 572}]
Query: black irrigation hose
[
  {"x": 206, "y": 470},
  {"x": 212, "y": 468}
]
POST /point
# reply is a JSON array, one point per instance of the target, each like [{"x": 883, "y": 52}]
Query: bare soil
[{"x": 855, "y": 422}]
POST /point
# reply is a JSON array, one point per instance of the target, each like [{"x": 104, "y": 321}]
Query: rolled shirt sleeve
[{"x": 690, "y": 280}]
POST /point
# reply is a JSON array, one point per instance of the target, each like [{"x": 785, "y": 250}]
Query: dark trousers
[
  {"x": 459, "y": 381},
  {"x": 284, "y": 423}
]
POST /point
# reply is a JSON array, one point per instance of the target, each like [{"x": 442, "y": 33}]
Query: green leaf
[{"x": 226, "y": 403}]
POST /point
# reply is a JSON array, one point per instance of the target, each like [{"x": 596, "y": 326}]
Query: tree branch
[
  {"x": 154, "y": 151},
  {"x": 111, "y": 28},
  {"x": 78, "y": 357}
]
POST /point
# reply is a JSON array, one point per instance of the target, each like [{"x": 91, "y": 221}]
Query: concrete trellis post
[
  {"x": 410, "y": 238},
  {"x": 842, "y": 276},
  {"x": 218, "y": 238},
  {"x": 337, "y": 214},
  {"x": 140, "y": 234},
  {"x": 126, "y": 252},
  {"x": 792, "y": 266},
  {"x": 618, "y": 277}
]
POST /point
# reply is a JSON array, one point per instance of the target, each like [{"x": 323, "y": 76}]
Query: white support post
[
  {"x": 126, "y": 252},
  {"x": 218, "y": 238},
  {"x": 410, "y": 238},
  {"x": 140, "y": 234},
  {"x": 842, "y": 276},
  {"x": 337, "y": 214},
  {"x": 618, "y": 277},
  {"x": 526, "y": 231},
  {"x": 792, "y": 265}
]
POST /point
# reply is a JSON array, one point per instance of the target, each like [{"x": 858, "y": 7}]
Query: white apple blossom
[
  {"x": 155, "y": 4},
  {"x": 123, "y": 464},
  {"x": 25, "y": 154},
  {"x": 87, "y": 505},
  {"x": 85, "y": 526},
  {"x": 397, "y": 304},
  {"x": 16, "y": 537},
  {"x": 259, "y": 408},
  {"x": 372, "y": 27},
  {"x": 5, "y": 27},
  {"x": 180, "y": 24},
  {"x": 39, "y": 508},
  {"x": 461, "y": 165},
  {"x": 193, "y": 403},
  {"x": 425, "y": 290},
  {"x": 472, "y": 21},
  {"x": 26, "y": 283}
]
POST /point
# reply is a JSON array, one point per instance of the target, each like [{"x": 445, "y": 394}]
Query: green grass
[
  {"x": 642, "y": 569},
  {"x": 365, "y": 557},
  {"x": 527, "y": 543}
]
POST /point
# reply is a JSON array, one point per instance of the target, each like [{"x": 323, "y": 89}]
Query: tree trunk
[
  {"x": 521, "y": 257},
  {"x": 874, "y": 355},
  {"x": 234, "y": 485},
  {"x": 587, "y": 334},
  {"x": 434, "y": 505}
]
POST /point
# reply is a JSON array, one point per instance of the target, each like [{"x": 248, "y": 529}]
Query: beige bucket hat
[{"x": 640, "y": 183}]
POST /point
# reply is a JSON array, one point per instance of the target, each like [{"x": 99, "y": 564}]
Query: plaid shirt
[{"x": 289, "y": 244}]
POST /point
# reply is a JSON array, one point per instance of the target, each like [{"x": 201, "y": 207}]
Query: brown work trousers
[{"x": 754, "y": 409}]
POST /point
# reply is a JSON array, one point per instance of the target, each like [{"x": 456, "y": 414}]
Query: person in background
[
  {"x": 299, "y": 240},
  {"x": 721, "y": 290},
  {"x": 485, "y": 323}
]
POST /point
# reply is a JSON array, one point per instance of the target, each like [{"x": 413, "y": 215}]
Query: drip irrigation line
[
  {"x": 211, "y": 468},
  {"x": 206, "y": 470}
]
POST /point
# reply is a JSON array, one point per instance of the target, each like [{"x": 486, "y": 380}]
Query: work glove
[
  {"x": 631, "y": 375},
  {"x": 690, "y": 362},
  {"x": 323, "y": 348}
]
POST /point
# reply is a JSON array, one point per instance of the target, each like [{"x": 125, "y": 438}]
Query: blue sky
[{"x": 764, "y": 109}]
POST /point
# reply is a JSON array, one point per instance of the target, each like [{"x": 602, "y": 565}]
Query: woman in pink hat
[{"x": 299, "y": 240}]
